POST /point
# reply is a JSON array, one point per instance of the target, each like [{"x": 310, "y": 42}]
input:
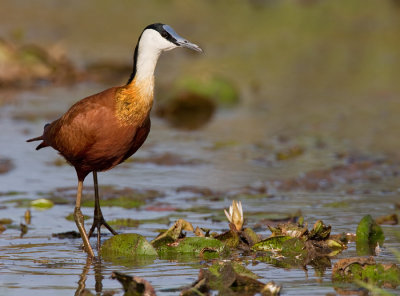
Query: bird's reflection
[{"x": 98, "y": 277}]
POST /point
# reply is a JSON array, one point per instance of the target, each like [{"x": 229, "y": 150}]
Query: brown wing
[
  {"x": 77, "y": 130},
  {"x": 91, "y": 137}
]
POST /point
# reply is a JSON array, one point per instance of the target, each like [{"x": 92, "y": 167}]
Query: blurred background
[{"x": 318, "y": 67}]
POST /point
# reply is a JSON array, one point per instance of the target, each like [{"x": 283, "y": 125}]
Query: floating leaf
[
  {"x": 294, "y": 247},
  {"x": 192, "y": 246},
  {"x": 172, "y": 234},
  {"x": 250, "y": 236},
  {"x": 368, "y": 235},
  {"x": 367, "y": 270},
  {"x": 5, "y": 221},
  {"x": 271, "y": 244},
  {"x": 320, "y": 231},
  {"x": 126, "y": 202},
  {"x": 42, "y": 203},
  {"x": 230, "y": 238},
  {"x": 127, "y": 245},
  {"x": 288, "y": 229}
]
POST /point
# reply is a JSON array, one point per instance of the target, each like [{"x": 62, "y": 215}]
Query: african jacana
[{"x": 102, "y": 130}]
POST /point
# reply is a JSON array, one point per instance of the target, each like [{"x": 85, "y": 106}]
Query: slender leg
[
  {"x": 98, "y": 215},
  {"x": 79, "y": 220}
]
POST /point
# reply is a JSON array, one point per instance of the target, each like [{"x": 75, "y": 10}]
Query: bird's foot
[
  {"x": 97, "y": 223},
  {"x": 78, "y": 217}
]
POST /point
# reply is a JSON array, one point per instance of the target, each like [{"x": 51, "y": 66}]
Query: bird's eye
[{"x": 164, "y": 34}]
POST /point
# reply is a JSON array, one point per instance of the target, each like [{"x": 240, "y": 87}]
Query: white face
[
  {"x": 151, "y": 40},
  {"x": 151, "y": 45}
]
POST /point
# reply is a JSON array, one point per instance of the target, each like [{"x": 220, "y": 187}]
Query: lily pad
[
  {"x": 250, "y": 236},
  {"x": 229, "y": 238},
  {"x": 192, "y": 246},
  {"x": 5, "y": 221},
  {"x": 128, "y": 245},
  {"x": 368, "y": 235},
  {"x": 271, "y": 244},
  {"x": 367, "y": 270},
  {"x": 320, "y": 231},
  {"x": 172, "y": 234},
  {"x": 42, "y": 203}
]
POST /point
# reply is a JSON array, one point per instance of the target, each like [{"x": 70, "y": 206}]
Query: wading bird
[{"x": 102, "y": 130}]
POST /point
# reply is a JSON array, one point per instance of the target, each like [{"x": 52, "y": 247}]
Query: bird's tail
[
  {"x": 40, "y": 138},
  {"x": 35, "y": 139},
  {"x": 41, "y": 145}
]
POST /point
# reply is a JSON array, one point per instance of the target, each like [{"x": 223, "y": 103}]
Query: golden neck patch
[{"x": 134, "y": 101}]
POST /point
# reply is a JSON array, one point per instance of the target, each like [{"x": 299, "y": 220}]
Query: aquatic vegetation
[
  {"x": 230, "y": 278},
  {"x": 187, "y": 110},
  {"x": 218, "y": 89},
  {"x": 366, "y": 269},
  {"x": 391, "y": 219},
  {"x": 294, "y": 245},
  {"x": 235, "y": 215},
  {"x": 126, "y": 202},
  {"x": 42, "y": 203},
  {"x": 368, "y": 236},
  {"x": 133, "y": 285},
  {"x": 172, "y": 234},
  {"x": 128, "y": 245}
]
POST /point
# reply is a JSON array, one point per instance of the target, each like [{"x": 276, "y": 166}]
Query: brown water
[{"x": 322, "y": 113}]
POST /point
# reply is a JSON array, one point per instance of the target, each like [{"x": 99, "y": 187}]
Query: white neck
[
  {"x": 151, "y": 45},
  {"x": 146, "y": 63}
]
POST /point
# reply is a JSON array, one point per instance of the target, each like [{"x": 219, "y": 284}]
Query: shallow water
[
  {"x": 41, "y": 264},
  {"x": 298, "y": 89}
]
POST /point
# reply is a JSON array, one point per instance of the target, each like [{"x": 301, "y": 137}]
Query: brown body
[
  {"x": 101, "y": 131},
  {"x": 92, "y": 138}
]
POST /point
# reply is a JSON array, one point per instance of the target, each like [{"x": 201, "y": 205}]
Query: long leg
[
  {"x": 98, "y": 215},
  {"x": 78, "y": 217}
]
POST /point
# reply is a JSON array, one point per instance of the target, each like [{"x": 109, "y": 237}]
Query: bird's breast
[{"x": 134, "y": 102}]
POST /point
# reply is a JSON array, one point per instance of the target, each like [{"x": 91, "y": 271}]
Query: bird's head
[{"x": 161, "y": 37}]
